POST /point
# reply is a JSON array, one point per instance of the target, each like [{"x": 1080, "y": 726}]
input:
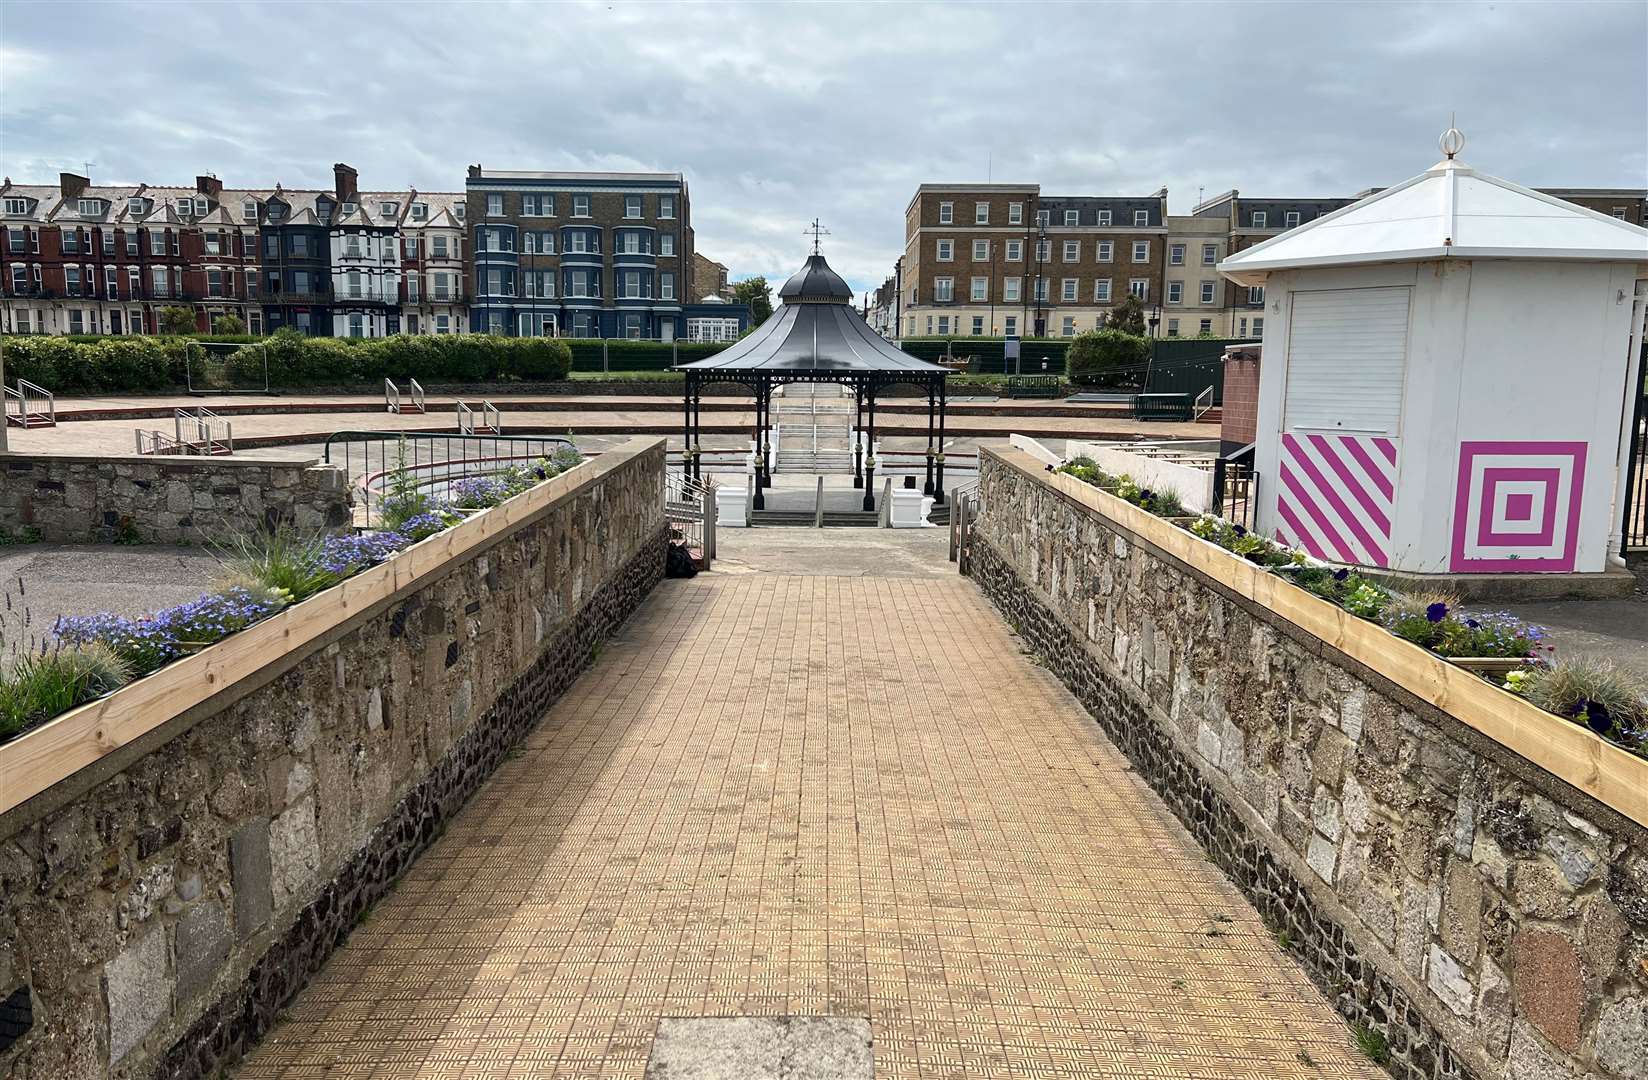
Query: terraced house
[
  {"x": 582, "y": 254},
  {"x": 1004, "y": 259},
  {"x": 87, "y": 259}
]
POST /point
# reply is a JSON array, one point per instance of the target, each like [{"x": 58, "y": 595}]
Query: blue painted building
[{"x": 589, "y": 255}]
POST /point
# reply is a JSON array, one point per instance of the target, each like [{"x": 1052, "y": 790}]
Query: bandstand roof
[
  {"x": 1448, "y": 211},
  {"x": 815, "y": 329}
]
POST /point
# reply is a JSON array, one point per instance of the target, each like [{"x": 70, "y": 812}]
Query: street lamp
[{"x": 1155, "y": 319}]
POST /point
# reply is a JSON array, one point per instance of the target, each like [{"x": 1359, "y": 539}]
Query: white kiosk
[{"x": 1448, "y": 377}]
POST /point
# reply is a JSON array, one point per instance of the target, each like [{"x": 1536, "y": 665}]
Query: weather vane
[{"x": 815, "y": 231}]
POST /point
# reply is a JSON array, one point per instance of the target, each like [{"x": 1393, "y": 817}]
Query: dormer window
[
  {"x": 348, "y": 208},
  {"x": 133, "y": 206},
  {"x": 91, "y": 208},
  {"x": 202, "y": 206},
  {"x": 390, "y": 209},
  {"x": 186, "y": 206},
  {"x": 248, "y": 210},
  {"x": 420, "y": 211},
  {"x": 458, "y": 211},
  {"x": 1259, "y": 218},
  {"x": 17, "y": 206}
]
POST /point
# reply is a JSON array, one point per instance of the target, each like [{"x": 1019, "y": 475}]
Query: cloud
[{"x": 778, "y": 113}]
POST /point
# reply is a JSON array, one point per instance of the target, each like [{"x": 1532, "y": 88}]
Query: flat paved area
[
  {"x": 48, "y": 580},
  {"x": 788, "y": 795},
  {"x": 1610, "y": 628},
  {"x": 585, "y": 415}
]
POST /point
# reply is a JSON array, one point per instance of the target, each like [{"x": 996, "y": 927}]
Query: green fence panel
[{"x": 1189, "y": 366}]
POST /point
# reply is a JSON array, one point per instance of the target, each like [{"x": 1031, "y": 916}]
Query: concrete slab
[{"x": 762, "y": 1048}]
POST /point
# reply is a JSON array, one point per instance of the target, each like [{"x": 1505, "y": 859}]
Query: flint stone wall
[
  {"x": 1487, "y": 918},
  {"x": 168, "y": 500},
  {"x": 155, "y": 916}
]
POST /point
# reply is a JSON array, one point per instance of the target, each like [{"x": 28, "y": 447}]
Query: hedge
[
  {"x": 622, "y": 354},
  {"x": 1108, "y": 358},
  {"x": 126, "y": 364}
]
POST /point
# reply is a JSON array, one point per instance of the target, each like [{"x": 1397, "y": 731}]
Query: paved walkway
[{"x": 795, "y": 795}]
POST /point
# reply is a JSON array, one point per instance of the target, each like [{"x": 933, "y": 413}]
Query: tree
[
  {"x": 758, "y": 295},
  {"x": 228, "y": 324},
  {"x": 1107, "y": 358},
  {"x": 1128, "y": 316},
  {"x": 177, "y": 320}
]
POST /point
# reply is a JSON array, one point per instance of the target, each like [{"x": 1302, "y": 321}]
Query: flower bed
[
  {"x": 88, "y": 656},
  {"x": 1592, "y": 692}
]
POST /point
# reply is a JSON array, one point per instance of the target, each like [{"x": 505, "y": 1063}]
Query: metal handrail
[
  {"x": 431, "y": 458},
  {"x": 29, "y": 397},
  {"x": 417, "y": 395},
  {"x": 205, "y": 425},
  {"x": 1202, "y": 404},
  {"x": 151, "y": 442},
  {"x": 391, "y": 397}
]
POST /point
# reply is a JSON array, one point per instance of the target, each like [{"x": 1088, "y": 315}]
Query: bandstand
[{"x": 816, "y": 336}]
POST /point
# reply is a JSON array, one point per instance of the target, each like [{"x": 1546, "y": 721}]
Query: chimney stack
[
  {"x": 210, "y": 186},
  {"x": 345, "y": 182},
  {"x": 72, "y": 184}
]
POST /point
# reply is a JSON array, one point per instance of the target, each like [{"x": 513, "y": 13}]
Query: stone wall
[
  {"x": 158, "y": 909},
  {"x": 1486, "y": 917},
  {"x": 74, "y": 499}
]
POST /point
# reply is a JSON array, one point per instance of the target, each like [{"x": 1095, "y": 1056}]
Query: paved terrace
[
  {"x": 107, "y": 425},
  {"x": 794, "y": 787}
]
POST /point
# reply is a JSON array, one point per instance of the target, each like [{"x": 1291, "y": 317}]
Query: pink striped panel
[{"x": 1336, "y": 495}]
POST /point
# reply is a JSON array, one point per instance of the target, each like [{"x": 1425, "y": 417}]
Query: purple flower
[
  {"x": 1472, "y": 623},
  {"x": 1436, "y": 612},
  {"x": 1341, "y": 574},
  {"x": 1238, "y": 530},
  {"x": 345, "y": 555}
]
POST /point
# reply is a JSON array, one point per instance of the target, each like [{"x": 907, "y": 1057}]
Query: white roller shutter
[{"x": 1347, "y": 350}]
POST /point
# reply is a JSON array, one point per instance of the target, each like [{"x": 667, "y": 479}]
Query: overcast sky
[{"x": 778, "y": 113}]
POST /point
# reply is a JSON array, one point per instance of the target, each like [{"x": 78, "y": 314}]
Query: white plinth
[
  {"x": 909, "y": 509},
  {"x": 729, "y": 508}
]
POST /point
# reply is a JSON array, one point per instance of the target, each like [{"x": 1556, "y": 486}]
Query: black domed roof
[
  {"x": 815, "y": 283},
  {"x": 815, "y": 329}
]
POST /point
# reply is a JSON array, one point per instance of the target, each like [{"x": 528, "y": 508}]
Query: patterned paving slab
[{"x": 815, "y": 796}]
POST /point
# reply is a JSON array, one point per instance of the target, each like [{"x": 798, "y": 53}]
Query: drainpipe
[{"x": 1628, "y": 413}]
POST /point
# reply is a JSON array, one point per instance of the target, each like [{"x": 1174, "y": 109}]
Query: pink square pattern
[{"x": 1516, "y": 507}]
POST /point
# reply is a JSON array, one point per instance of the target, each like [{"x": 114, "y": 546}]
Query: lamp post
[{"x": 1155, "y": 319}]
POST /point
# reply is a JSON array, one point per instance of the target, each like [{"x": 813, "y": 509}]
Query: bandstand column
[
  {"x": 697, "y": 431},
  {"x": 686, "y": 424},
  {"x": 869, "y": 459},
  {"x": 858, "y": 431},
  {"x": 762, "y": 389},
  {"x": 938, "y": 459},
  {"x": 927, "y": 481}
]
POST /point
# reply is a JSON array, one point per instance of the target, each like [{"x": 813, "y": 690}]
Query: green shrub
[
  {"x": 284, "y": 562},
  {"x": 1107, "y": 358},
  {"x": 40, "y": 686},
  {"x": 1595, "y": 691},
  {"x": 177, "y": 320}
]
